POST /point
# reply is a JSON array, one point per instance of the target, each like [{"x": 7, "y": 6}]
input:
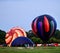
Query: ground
[{"x": 30, "y": 50}]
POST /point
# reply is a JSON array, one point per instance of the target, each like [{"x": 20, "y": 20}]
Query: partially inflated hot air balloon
[
  {"x": 13, "y": 34},
  {"x": 44, "y": 26},
  {"x": 22, "y": 41}
]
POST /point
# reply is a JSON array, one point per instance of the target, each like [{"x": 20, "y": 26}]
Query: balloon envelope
[
  {"x": 21, "y": 41},
  {"x": 13, "y": 34},
  {"x": 44, "y": 26}
]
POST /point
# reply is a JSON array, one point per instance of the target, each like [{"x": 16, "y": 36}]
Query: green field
[{"x": 30, "y": 50}]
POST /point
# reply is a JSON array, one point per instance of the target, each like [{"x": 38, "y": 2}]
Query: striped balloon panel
[{"x": 13, "y": 34}]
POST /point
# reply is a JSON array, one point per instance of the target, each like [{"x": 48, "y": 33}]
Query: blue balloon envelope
[
  {"x": 44, "y": 26},
  {"x": 22, "y": 41}
]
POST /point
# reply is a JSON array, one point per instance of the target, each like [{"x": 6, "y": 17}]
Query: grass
[{"x": 30, "y": 50}]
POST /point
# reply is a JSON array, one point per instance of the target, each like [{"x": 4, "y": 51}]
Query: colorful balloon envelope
[
  {"x": 44, "y": 27},
  {"x": 13, "y": 34}
]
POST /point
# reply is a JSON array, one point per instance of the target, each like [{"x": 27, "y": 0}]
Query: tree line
[{"x": 54, "y": 39}]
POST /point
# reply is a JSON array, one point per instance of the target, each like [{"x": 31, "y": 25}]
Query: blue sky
[{"x": 22, "y": 12}]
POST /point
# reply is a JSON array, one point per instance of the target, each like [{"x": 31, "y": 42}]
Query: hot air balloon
[
  {"x": 44, "y": 26},
  {"x": 13, "y": 34},
  {"x": 22, "y": 41}
]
